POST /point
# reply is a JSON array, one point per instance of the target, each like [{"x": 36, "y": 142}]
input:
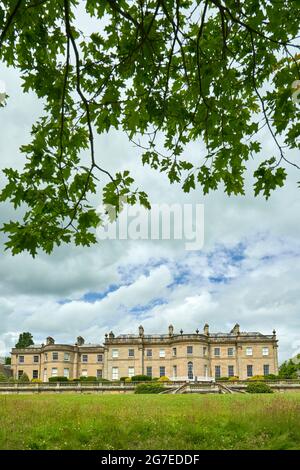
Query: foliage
[
  {"x": 164, "y": 378},
  {"x": 24, "y": 378},
  {"x": 256, "y": 378},
  {"x": 3, "y": 378},
  {"x": 140, "y": 378},
  {"x": 223, "y": 379},
  {"x": 271, "y": 377},
  {"x": 25, "y": 340},
  {"x": 89, "y": 378},
  {"x": 149, "y": 388},
  {"x": 58, "y": 379},
  {"x": 166, "y": 73},
  {"x": 36, "y": 381},
  {"x": 234, "y": 378},
  {"x": 258, "y": 387},
  {"x": 289, "y": 370},
  {"x": 128, "y": 380},
  {"x": 7, "y": 361},
  {"x": 122, "y": 379}
]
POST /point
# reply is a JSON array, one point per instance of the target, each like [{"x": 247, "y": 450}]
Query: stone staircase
[{"x": 201, "y": 388}]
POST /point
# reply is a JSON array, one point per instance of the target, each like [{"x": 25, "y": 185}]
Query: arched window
[{"x": 190, "y": 371}]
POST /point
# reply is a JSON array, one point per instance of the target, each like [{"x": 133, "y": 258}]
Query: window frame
[
  {"x": 131, "y": 350},
  {"x": 83, "y": 360}
]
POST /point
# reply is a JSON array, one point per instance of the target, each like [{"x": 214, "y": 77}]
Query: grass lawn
[{"x": 150, "y": 422}]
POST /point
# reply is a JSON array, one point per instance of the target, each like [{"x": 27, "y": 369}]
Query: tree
[
  {"x": 289, "y": 370},
  {"x": 24, "y": 378},
  {"x": 25, "y": 340},
  {"x": 8, "y": 361},
  {"x": 166, "y": 72}
]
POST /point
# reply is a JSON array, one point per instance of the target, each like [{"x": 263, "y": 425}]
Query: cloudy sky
[{"x": 248, "y": 270}]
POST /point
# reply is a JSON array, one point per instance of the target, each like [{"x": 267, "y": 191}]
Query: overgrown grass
[{"x": 150, "y": 422}]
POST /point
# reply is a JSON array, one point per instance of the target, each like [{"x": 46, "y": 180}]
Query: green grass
[{"x": 150, "y": 422}]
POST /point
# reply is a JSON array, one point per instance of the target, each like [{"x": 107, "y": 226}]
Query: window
[
  {"x": 230, "y": 371},
  {"x": 230, "y": 352},
  {"x": 189, "y": 349},
  {"x": 54, "y": 372},
  {"x": 115, "y": 353},
  {"x": 149, "y": 370},
  {"x": 84, "y": 358},
  {"x": 217, "y": 372},
  {"x": 36, "y": 358},
  {"x": 190, "y": 371},
  {"x": 99, "y": 357},
  {"x": 162, "y": 371},
  {"x": 149, "y": 352},
  {"x": 205, "y": 370},
  {"x": 266, "y": 369},
  {"x": 174, "y": 352},
  {"x": 84, "y": 373},
  {"x": 115, "y": 373},
  {"x": 66, "y": 373},
  {"x": 265, "y": 351},
  {"x": 21, "y": 360},
  {"x": 162, "y": 353},
  {"x": 174, "y": 371},
  {"x": 99, "y": 373},
  {"x": 55, "y": 356},
  {"x": 66, "y": 357},
  {"x": 204, "y": 351},
  {"x": 249, "y": 371},
  {"x": 130, "y": 371},
  {"x": 35, "y": 374},
  {"x": 217, "y": 351},
  {"x": 130, "y": 352},
  {"x": 249, "y": 351},
  {"x": 20, "y": 373}
]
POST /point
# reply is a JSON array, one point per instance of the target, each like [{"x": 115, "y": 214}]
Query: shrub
[
  {"x": 149, "y": 388},
  {"x": 164, "y": 378},
  {"x": 223, "y": 379},
  {"x": 123, "y": 379},
  {"x": 271, "y": 377},
  {"x": 256, "y": 378},
  {"x": 3, "y": 378},
  {"x": 36, "y": 381},
  {"x": 89, "y": 378},
  {"x": 128, "y": 379},
  {"x": 234, "y": 378},
  {"x": 24, "y": 378},
  {"x": 103, "y": 380},
  {"x": 258, "y": 387},
  {"x": 140, "y": 378},
  {"x": 58, "y": 379}
]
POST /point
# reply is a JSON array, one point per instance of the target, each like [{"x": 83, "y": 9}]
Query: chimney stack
[
  {"x": 206, "y": 329},
  {"x": 171, "y": 330},
  {"x": 49, "y": 340}
]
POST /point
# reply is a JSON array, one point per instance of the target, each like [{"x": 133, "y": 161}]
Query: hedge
[
  {"x": 258, "y": 387},
  {"x": 140, "y": 378},
  {"x": 58, "y": 379},
  {"x": 149, "y": 388}
]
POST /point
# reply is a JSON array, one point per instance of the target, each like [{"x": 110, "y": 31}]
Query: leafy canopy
[
  {"x": 214, "y": 72},
  {"x": 25, "y": 340}
]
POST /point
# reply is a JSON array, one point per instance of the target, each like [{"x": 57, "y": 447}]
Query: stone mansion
[{"x": 179, "y": 356}]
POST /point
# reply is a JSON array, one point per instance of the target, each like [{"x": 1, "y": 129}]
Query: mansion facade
[{"x": 179, "y": 356}]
